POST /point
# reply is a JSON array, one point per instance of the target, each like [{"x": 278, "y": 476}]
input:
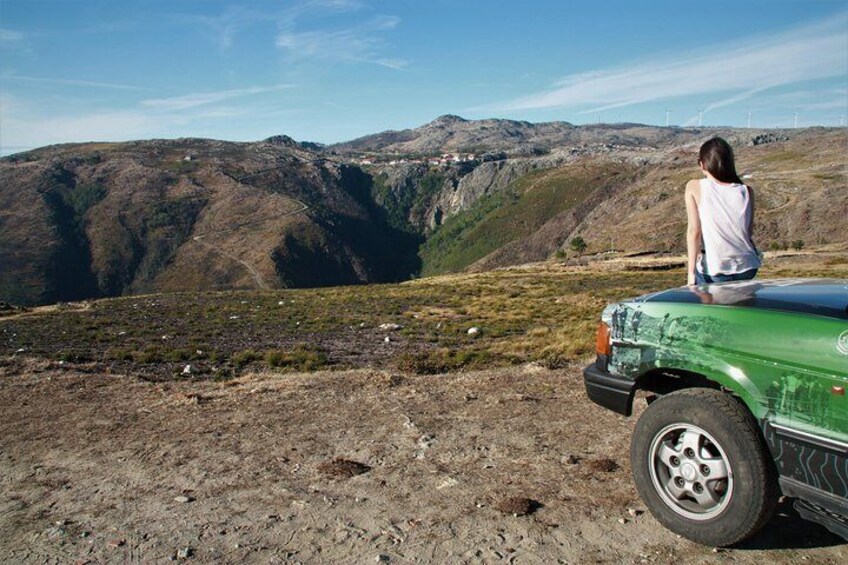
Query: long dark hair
[{"x": 716, "y": 156}]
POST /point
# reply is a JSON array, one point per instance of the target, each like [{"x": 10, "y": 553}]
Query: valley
[{"x": 113, "y": 219}]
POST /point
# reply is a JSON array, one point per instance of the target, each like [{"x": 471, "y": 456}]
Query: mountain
[
  {"x": 632, "y": 202},
  {"x": 620, "y": 187},
  {"x": 105, "y": 219},
  {"x": 109, "y": 219},
  {"x": 516, "y": 138}
]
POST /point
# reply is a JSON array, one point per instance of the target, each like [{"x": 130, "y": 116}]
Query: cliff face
[
  {"x": 421, "y": 197},
  {"x": 483, "y": 180}
]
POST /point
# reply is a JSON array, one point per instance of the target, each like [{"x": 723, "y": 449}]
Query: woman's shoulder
[{"x": 693, "y": 186}]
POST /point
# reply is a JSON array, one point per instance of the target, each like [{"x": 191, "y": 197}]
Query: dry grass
[{"x": 545, "y": 313}]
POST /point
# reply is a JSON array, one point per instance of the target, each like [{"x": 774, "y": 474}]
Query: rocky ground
[{"x": 508, "y": 465}]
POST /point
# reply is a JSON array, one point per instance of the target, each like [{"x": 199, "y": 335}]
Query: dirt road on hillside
[{"x": 107, "y": 468}]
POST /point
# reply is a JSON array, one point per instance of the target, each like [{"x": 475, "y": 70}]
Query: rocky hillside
[
  {"x": 99, "y": 219},
  {"x": 626, "y": 196},
  {"x": 799, "y": 183},
  {"x": 515, "y": 138}
]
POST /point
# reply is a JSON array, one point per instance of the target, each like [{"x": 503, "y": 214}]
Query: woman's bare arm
[
  {"x": 693, "y": 228},
  {"x": 751, "y": 222}
]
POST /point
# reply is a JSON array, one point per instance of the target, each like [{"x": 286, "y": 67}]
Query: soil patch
[
  {"x": 602, "y": 465},
  {"x": 106, "y": 468},
  {"x": 518, "y": 506},
  {"x": 343, "y": 468}
]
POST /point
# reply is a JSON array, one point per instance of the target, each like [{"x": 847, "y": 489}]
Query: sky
[{"x": 334, "y": 70}]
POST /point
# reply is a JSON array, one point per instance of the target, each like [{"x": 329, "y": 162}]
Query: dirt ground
[{"x": 101, "y": 467}]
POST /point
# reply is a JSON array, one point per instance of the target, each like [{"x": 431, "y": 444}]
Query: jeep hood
[{"x": 819, "y": 297}]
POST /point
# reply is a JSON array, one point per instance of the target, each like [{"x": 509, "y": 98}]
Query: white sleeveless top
[{"x": 725, "y": 213}]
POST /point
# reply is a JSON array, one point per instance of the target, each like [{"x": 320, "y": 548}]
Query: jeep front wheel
[{"x": 701, "y": 467}]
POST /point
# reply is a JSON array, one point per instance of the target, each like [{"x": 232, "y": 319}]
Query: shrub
[
  {"x": 216, "y": 357},
  {"x": 182, "y": 167},
  {"x": 84, "y": 196},
  {"x": 74, "y": 357},
  {"x": 178, "y": 355},
  {"x": 300, "y": 358},
  {"x": 118, "y": 354},
  {"x": 798, "y": 244},
  {"x": 150, "y": 354},
  {"x": 578, "y": 244},
  {"x": 442, "y": 361},
  {"x": 428, "y": 187},
  {"x": 244, "y": 358},
  {"x": 222, "y": 374}
]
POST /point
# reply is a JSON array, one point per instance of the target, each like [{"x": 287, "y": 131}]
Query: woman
[{"x": 720, "y": 212}]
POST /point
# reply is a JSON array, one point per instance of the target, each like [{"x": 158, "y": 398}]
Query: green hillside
[{"x": 516, "y": 212}]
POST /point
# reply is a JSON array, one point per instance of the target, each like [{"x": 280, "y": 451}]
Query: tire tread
[{"x": 735, "y": 412}]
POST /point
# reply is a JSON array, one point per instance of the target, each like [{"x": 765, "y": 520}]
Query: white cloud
[
  {"x": 745, "y": 67},
  {"x": 25, "y": 124},
  {"x": 396, "y": 64},
  {"x": 834, "y": 104},
  {"x": 196, "y": 99},
  {"x": 72, "y": 82},
  {"x": 10, "y": 36},
  {"x": 330, "y": 6},
  {"x": 100, "y": 126},
  {"x": 220, "y": 112},
  {"x": 359, "y": 43},
  {"x": 722, "y": 103},
  {"x": 225, "y": 27},
  {"x": 9, "y": 103}
]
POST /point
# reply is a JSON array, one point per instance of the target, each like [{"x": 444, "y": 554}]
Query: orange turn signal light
[{"x": 602, "y": 340}]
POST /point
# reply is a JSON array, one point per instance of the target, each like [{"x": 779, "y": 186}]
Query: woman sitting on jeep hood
[{"x": 720, "y": 213}]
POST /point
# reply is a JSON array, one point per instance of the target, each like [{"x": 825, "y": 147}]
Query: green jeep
[{"x": 745, "y": 383}]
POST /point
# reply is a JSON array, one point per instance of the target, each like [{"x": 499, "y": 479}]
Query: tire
[{"x": 702, "y": 468}]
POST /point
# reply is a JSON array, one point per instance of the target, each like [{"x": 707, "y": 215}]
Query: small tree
[
  {"x": 798, "y": 244},
  {"x": 578, "y": 244}
]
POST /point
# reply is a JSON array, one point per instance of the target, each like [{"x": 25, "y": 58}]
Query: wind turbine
[
  {"x": 796, "y": 120},
  {"x": 700, "y": 116},
  {"x": 749, "y": 120},
  {"x": 667, "y": 116}
]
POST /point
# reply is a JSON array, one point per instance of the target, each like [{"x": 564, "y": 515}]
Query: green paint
[{"x": 783, "y": 365}]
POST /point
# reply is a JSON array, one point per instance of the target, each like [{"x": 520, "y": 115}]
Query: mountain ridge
[
  {"x": 454, "y": 133},
  {"x": 106, "y": 219}
]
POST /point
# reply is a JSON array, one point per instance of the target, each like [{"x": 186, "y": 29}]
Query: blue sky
[{"x": 332, "y": 70}]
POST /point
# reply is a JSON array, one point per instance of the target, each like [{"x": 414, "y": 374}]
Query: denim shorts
[{"x": 704, "y": 278}]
